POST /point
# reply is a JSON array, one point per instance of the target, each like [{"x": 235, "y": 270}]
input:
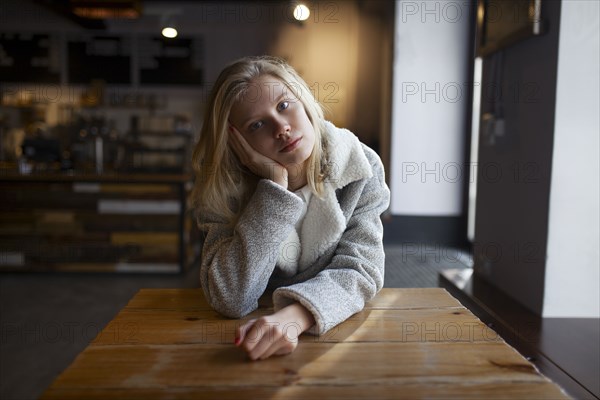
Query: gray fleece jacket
[{"x": 341, "y": 264}]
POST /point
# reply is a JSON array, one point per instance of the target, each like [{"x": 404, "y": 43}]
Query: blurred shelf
[
  {"x": 110, "y": 223},
  {"x": 12, "y": 176},
  {"x": 166, "y": 133}
]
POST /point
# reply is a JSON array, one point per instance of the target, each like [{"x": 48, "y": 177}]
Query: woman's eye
[
  {"x": 283, "y": 105},
  {"x": 256, "y": 125}
]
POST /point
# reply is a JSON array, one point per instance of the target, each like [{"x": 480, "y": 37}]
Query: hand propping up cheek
[{"x": 259, "y": 164}]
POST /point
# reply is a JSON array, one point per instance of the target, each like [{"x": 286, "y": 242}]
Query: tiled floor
[
  {"x": 47, "y": 319},
  {"x": 413, "y": 265}
]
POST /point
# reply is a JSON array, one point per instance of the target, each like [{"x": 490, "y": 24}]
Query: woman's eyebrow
[
  {"x": 275, "y": 101},
  {"x": 282, "y": 95}
]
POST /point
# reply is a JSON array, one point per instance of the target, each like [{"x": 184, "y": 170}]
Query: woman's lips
[{"x": 295, "y": 143}]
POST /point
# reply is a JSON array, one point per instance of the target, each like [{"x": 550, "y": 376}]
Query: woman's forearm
[{"x": 298, "y": 314}]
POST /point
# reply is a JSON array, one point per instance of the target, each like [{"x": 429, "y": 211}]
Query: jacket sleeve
[
  {"x": 237, "y": 262},
  {"x": 356, "y": 271}
]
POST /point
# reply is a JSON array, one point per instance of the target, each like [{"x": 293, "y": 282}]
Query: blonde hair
[{"x": 222, "y": 183}]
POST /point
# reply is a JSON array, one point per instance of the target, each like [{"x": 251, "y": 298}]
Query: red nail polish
[{"x": 236, "y": 341}]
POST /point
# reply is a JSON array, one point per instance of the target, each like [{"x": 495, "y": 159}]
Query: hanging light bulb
[
  {"x": 169, "y": 32},
  {"x": 301, "y": 12},
  {"x": 168, "y": 25}
]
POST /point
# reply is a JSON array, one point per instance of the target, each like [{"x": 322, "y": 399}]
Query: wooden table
[{"x": 406, "y": 343}]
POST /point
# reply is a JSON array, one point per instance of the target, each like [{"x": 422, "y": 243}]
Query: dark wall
[{"x": 519, "y": 86}]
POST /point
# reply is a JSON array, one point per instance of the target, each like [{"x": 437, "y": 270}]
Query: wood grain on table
[{"x": 406, "y": 343}]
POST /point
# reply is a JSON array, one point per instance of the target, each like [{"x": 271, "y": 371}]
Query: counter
[{"x": 98, "y": 223}]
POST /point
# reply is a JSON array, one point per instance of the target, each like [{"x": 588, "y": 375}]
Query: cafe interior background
[{"x": 489, "y": 140}]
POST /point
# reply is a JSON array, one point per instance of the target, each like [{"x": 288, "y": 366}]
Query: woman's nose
[{"x": 281, "y": 127}]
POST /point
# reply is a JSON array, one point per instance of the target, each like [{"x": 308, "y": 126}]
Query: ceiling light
[
  {"x": 169, "y": 32},
  {"x": 301, "y": 12},
  {"x": 168, "y": 25}
]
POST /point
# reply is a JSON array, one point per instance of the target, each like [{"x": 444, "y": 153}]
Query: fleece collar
[
  {"x": 346, "y": 156},
  {"x": 325, "y": 222}
]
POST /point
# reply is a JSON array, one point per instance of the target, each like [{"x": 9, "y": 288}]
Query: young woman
[{"x": 289, "y": 204}]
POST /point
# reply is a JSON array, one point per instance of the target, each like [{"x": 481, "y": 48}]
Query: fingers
[
  {"x": 232, "y": 128},
  {"x": 284, "y": 346},
  {"x": 242, "y": 330},
  {"x": 246, "y": 153},
  {"x": 270, "y": 345},
  {"x": 237, "y": 143},
  {"x": 262, "y": 338},
  {"x": 235, "y": 134},
  {"x": 255, "y": 161},
  {"x": 256, "y": 337},
  {"x": 241, "y": 146}
]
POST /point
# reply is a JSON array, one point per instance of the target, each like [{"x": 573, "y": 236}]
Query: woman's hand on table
[{"x": 275, "y": 334}]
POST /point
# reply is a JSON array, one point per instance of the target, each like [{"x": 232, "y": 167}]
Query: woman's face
[{"x": 273, "y": 121}]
